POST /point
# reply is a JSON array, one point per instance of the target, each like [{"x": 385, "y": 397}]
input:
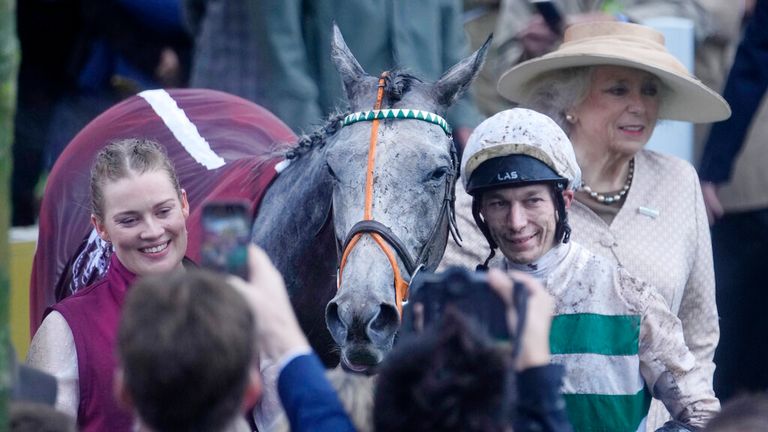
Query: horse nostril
[
  {"x": 335, "y": 324},
  {"x": 386, "y": 322}
]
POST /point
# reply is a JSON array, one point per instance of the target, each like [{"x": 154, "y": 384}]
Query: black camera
[{"x": 468, "y": 292}]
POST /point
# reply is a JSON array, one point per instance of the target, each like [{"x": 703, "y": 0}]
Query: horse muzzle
[{"x": 364, "y": 332}]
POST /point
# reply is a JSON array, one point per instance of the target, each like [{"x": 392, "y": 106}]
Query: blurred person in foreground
[
  {"x": 453, "y": 377},
  {"x": 186, "y": 354},
  {"x": 26, "y": 416},
  {"x": 187, "y": 347},
  {"x": 31, "y": 398},
  {"x": 615, "y": 334},
  {"x": 746, "y": 413}
]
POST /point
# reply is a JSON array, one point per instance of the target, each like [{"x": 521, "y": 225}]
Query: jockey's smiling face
[
  {"x": 522, "y": 220},
  {"x": 145, "y": 219}
]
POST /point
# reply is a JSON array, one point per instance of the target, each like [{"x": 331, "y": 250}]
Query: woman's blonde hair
[{"x": 121, "y": 158}]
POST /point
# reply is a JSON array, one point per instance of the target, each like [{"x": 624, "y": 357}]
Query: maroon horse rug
[{"x": 222, "y": 146}]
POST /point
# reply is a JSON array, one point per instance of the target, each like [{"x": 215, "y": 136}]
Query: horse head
[{"x": 393, "y": 169}]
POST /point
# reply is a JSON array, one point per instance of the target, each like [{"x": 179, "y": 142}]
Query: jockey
[{"x": 617, "y": 338}]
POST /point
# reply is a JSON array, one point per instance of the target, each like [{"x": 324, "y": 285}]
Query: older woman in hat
[{"x": 607, "y": 85}]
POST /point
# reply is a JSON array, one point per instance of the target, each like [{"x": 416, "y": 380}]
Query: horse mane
[
  {"x": 397, "y": 83},
  {"x": 316, "y": 139}
]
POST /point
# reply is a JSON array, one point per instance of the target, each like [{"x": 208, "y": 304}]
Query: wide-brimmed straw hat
[{"x": 623, "y": 44}]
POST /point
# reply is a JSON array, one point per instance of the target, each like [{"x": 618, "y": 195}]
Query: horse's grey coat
[{"x": 320, "y": 196}]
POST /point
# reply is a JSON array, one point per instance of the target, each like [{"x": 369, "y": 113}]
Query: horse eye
[
  {"x": 331, "y": 172},
  {"x": 438, "y": 174}
]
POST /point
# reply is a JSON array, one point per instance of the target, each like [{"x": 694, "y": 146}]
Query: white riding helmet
[
  {"x": 547, "y": 152},
  {"x": 515, "y": 148}
]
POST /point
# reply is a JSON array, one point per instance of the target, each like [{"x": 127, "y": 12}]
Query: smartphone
[
  {"x": 226, "y": 236},
  {"x": 470, "y": 293},
  {"x": 552, "y": 16}
]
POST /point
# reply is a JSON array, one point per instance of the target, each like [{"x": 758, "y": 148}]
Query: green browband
[{"x": 384, "y": 114}]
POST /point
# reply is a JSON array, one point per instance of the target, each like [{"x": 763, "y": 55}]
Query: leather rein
[{"x": 381, "y": 234}]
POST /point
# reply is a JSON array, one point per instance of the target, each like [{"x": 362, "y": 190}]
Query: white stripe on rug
[{"x": 182, "y": 128}]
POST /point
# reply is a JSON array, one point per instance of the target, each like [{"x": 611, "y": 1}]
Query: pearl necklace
[{"x": 610, "y": 199}]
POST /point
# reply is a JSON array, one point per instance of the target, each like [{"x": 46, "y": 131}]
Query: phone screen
[{"x": 226, "y": 235}]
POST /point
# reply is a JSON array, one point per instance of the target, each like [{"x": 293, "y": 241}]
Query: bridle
[{"x": 382, "y": 234}]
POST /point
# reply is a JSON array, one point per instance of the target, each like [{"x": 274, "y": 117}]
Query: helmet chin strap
[
  {"x": 563, "y": 229},
  {"x": 480, "y": 222}
]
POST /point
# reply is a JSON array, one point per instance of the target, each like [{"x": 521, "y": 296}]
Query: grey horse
[{"x": 315, "y": 207}]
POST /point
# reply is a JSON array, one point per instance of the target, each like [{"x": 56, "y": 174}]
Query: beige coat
[{"x": 661, "y": 235}]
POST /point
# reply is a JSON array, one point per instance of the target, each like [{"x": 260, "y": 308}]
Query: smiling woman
[
  {"x": 140, "y": 209},
  {"x": 147, "y": 231}
]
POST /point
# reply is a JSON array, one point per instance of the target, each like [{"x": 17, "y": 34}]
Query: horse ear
[
  {"x": 350, "y": 70},
  {"x": 458, "y": 78}
]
